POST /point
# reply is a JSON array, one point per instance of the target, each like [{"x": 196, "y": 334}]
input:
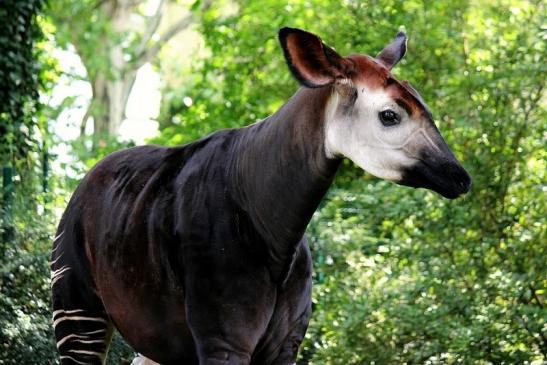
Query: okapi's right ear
[{"x": 312, "y": 63}]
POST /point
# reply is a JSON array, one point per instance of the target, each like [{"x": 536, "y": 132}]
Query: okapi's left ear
[
  {"x": 394, "y": 51},
  {"x": 313, "y": 63}
]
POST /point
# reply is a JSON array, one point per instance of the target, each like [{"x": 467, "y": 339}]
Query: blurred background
[{"x": 401, "y": 276}]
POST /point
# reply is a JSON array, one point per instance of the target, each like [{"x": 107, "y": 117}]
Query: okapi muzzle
[{"x": 436, "y": 167}]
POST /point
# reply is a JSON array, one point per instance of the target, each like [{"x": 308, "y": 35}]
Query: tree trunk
[
  {"x": 109, "y": 101},
  {"x": 111, "y": 85}
]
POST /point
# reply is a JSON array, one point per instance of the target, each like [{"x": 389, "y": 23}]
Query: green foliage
[
  {"x": 25, "y": 70},
  {"x": 26, "y": 334},
  {"x": 83, "y": 24},
  {"x": 403, "y": 276},
  {"x": 19, "y": 75},
  {"x": 25, "y": 330}
]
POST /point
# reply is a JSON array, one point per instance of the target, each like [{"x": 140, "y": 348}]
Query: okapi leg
[
  {"x": 227, "y": 326},
  {"x": 82, "y": 328},
  {"x": 82, "y": 337},
  {"x": 141, "y": 360}
]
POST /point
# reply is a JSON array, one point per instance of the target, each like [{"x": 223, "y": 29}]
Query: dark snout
[
  {"x": 447, "y": 178},
  {"x": 437, "y": 169}
]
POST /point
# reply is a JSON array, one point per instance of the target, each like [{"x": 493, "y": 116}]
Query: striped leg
[
  {"x": 82, "y": 337},
  {"x": 82, "y": 327}
]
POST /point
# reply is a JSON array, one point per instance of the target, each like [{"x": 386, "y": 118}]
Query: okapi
[{"x": 197, "y": 254}]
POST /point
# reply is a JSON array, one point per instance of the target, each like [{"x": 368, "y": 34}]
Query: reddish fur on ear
[{"x": 312, "y": 63}]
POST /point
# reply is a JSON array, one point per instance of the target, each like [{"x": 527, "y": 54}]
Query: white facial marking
[{"x": 359, "y": 135}]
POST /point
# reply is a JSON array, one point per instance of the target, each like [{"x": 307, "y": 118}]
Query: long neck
[{"x": 282, "y": 172}]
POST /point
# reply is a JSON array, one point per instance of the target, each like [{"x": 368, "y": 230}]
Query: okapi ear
[
  {"x": 394, "y": 51},
  {"x": 312, "y": 63}
]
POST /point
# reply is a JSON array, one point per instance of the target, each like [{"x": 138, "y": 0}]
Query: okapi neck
[{"x": 282, "y": 172}]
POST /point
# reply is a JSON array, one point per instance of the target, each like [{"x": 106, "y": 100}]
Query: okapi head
[{"x": 378, "y": 122}]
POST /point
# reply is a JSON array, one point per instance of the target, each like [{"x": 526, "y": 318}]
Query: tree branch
[
  {"x": 151, "y": 52},
  {"x": 98, "y": 4},
  {"x": 148, "y": 54},
  {"x": 128, "y": 82},
  {"x": 153, "y": 24},
  {"x": 83, "y": 123}
]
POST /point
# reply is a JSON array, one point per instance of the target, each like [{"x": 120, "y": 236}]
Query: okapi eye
[{"x": 388, "y": 118}]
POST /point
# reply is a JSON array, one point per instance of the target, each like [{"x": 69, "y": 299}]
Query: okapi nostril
[
  {"x": 465, "y": 181},
  {"x": 461, "y": 179}
]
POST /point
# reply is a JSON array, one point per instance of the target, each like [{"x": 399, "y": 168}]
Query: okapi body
[{"x": 197, "y": 255}]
